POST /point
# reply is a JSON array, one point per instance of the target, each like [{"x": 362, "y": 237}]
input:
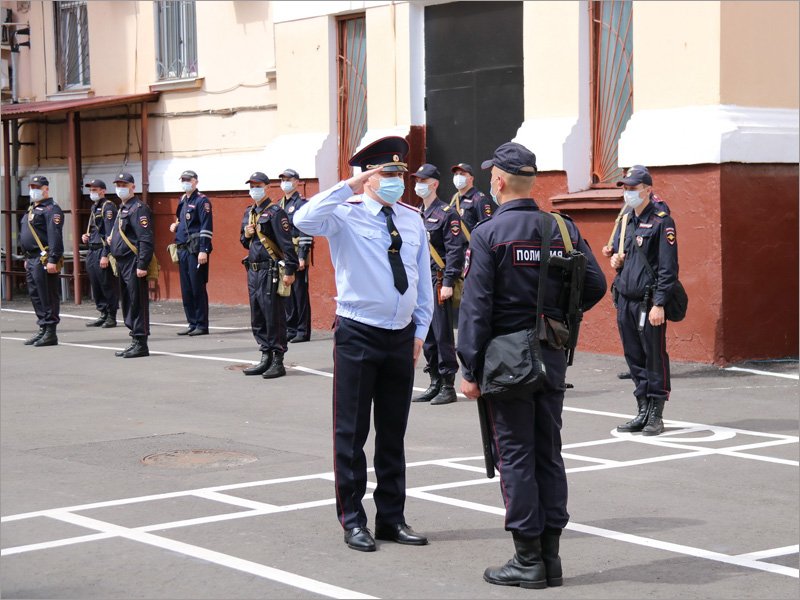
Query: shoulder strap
[
  {"x": 646, "y": 263},
  {"x": 544, "y": 265},
  {"x": 562, "y": 227},
  {"x": 273, "y": 251},
  {"x": 33, "y": 231},
  {"x": 622, "y": 234},
  {"x": 133, "y": 248}
]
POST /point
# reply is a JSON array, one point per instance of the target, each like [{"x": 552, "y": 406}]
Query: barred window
[
  {"x": 351, "y": 58},
  {"x": 176, "y": 39},
  {"x": 72, "y": 44}
]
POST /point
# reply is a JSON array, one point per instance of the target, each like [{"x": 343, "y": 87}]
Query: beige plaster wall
[
  {"x": 760, "y": 54},
  {"x": 385, "y": 68}
]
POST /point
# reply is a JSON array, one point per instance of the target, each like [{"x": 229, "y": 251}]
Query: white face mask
[
  {"x": 422, "y": 190},
  {"x": 632, "y": 198},
  {"x": 36, "y": 195},
  {"x": 122, "y": 192},
  {"x": 95, "y": 196},
  {"x": 257, "y": 193},
  {"x": 186, "y": 186},
  {"x": 287, "y": 186},
  {"x": 460, "y": 181}
]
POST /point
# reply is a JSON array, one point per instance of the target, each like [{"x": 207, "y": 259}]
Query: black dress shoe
[
  {"x": 186, "y": 331},
  {"x": 359, "y": 538},
  {"x": 400, "y": 533},
  {"x": 97, "y": 322},
  {"x": 195, "y": 332}
]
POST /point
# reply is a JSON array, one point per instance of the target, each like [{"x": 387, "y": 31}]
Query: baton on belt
[{"x": 486, "y": 436}]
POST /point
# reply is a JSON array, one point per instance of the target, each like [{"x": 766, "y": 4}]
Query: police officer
[
  {"x": 131, "y": 245},
  {"x": 383, "y": 311},
  {"x": 649, "y": 239},
  {"x": 471, "y": 204},
  {"x": 42, "y": 244},
  {"x": 266, "y": 234},
  {"x": 193, "y": 228},
  {"x": 298, "y": 304},
  {"x": 447, "y": 245},
  {"x": 500, "y": 295},
  {"x": 105, "y": 287}
]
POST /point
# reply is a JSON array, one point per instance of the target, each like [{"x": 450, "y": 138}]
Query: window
[
  {"x": 351, "y": 60},
  {"x": 72, "y": 45},
  {"x": 611, "y": 86},
  {"x": 176, "y": 39}
]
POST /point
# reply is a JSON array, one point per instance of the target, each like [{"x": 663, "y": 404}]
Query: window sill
[
  {"x": 72, "y": 94},
  {"x": 596, "y": 199},
  {"x": 168, "y": 85}
]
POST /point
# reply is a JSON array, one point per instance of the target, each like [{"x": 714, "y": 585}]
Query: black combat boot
[
  {"x": 552, "y": 561},
  {"x": 433, "y": 389},
  {"x": 111, "y": 321},
  {"x": 638, "y": 422},
  {"x": 266, "y": 358},
  {"x": 138, "y": 349},
  {"x": 122, "y": 352},
  {"x": 447, "y": 393},
  {"x": 49, "y": 338},
  {"x": 654, "y": 423},
  {"x": 525, "y": 569},
  {"x": 98, "y": 322},
  {"x": 276, "y": 368},
  {"x": 35, "y": 337}
]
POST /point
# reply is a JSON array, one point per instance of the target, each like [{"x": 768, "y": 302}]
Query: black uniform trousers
[
  {"x": 105, "y": 287},
  {"x": 527, "y": 452},
  {"x": 43, "y": 291},
  {"x": 194, "y": 278},
  {"x": 371, "y": 366},
  {"x": 298, "y": 307},
  {"x": 135, "y": 296},
  {"x": 645, "y": 351},
  {"x": 267, "y": 314},
  {"x": 440, "y": 344}
]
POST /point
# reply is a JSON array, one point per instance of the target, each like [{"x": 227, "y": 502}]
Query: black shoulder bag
[{"x": 675, "y": 307}]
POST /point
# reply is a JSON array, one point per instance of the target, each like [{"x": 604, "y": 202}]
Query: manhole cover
[
  {"x": 239, "y": 367},
  {"x": 191, "y": 459}
]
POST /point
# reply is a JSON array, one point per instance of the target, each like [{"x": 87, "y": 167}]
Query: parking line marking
[
  {"x": 81, "y": 317},
  {"x": 758, "y": 372},
  {"x": 772, "y": 552}
]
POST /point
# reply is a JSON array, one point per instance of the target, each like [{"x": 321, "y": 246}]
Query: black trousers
[
  {"x": 298, "y": 307},
  {"x": 267, "y": 314},
  {"x": 105, "y": 287},
  {"x": 645, "y": 351},
  {"x": 43, "y": 292},
  {"x": 372, "y": 366},
  {"x": 135, "y": 296},
  {"x": 527, "y": 450},
  {"x": 440, "y": 345},
  {"x": 194, "y": 278}
]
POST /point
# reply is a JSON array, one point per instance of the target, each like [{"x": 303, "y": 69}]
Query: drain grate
[{"x": 193, "y": 459}]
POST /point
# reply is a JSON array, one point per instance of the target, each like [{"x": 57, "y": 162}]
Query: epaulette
[
  {"x": 661, "y": 213},
  {"x": 409, "y": 207},
  {"x": 274, "y": 207},
  {"x": 446, "y": 207},
  {"x": 564, "y": 216}
]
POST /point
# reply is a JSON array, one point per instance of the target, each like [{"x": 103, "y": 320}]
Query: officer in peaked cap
[
  {"x": 104, "y": 283},
  {"x": 504, "y": 265},
  {"x": 470, "y": 203},
  {"x": 384, "y": 303}
]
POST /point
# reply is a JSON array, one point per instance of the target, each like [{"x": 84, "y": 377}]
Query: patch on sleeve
[
  {"x": 455, "y": 226},
  {"x": 466, "y": 261},
  {"x": 487, "y": 210},
  {"x": 670, "y": 233},
  {"x": 143, "y": 221},
  {"x": 57, "y": 219},
  {"x": 109, "y": 214},
  {"x": 285, "y": 224},
  {"x": 207, "y": 207}
]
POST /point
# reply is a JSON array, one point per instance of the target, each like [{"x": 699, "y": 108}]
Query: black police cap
[
  {"x": 427, "y": 171},
  {"x": 290, "y": 173},
  {"x": 125, "y": 178},
  {"x": 98, "y": 183},
  {"x": 389, "y": 152},
  {"x": 513, "y": 158},
  {"x": 635, "y": 175},
  {"x": 462, "y": 167},
  {"x": 39, "y": 180},
  {"x": 188, "y": 175},
  {"x": 259, "y": 177}
]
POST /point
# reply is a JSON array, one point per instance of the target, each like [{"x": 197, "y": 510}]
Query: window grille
[
  {"x": 176, "y": 39},
  {"x": 72, "y": 44},
  {"x": 612, "y": 84},
  {"x": 352, "y": 83}
]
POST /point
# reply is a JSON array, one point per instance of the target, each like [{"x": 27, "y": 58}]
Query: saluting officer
[
  {"x": 193, "y": 228},
  {"x": 649, "y": 239},
  {"x": 105, "y": 287},
  {"x": 447, "y": 245},
  {"x": 266, "y": 234},
  {"x": 298, "y": 304},
  {"x": 500, "y": 295},
  {"x": 131, "y": 245},
  {"x": 43, "y": 245},
  {"x": 471, "y": 204},
  {"x": 383, "y": 311}
]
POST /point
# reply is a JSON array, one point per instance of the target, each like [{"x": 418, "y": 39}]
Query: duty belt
[
  {"x": 95, "y": 246},
  {"x": 32, "y": 253},
  {"x": 257, "y": 266},
  {"x": 181, "y": 246}
]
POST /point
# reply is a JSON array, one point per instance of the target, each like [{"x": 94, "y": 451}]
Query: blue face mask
[{"x": 391, "y": 189}]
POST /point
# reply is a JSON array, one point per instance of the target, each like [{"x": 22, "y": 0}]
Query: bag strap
[
  {"x": 623, "y": 228},
  {"x": 436, "y": 257},
  {"x": 646, "y": 263},
  {"x": 562, "y": 227},
  {"x": 456, "y": 201},
  {"x": 133, "y": 248},
  {"x": 616, "y": 225},
  {"x": 33, "y": 231},
  {"x": 544, "y": 265},
  {"x": 273, "y": 251}
]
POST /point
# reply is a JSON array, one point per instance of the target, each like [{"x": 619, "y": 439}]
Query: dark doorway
[{"x": 473, "y": 83}]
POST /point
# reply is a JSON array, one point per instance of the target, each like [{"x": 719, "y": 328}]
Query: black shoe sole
[
  {"x": 528, "y": 585},
  {"x": 361, "y": 548}
]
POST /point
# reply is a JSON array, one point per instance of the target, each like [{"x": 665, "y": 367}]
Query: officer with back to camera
[
  {"x": 500, "y": 295},
  {"x": 105, "y": 286}
]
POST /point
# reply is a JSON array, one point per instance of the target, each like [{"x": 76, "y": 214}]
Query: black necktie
[{"x": 398, "y": 271}]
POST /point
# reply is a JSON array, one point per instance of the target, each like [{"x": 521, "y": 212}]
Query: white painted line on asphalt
[
  {"x": 757, "y": 372},
  {"x": 56, "y": 543},
  {"x": 234, "y": 500},
  {"x": 772, "y": 552},
  {"x": 181, "y": 325}
]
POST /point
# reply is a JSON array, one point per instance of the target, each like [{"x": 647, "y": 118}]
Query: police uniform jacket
[
  {"x": 271, "y": 220},
  {"x": 473, "y": 207},
  {"x": 502, "y": 278},
  {"x": 47, "y": 220},
  {"x": 101, "y": 223},
  {"x": 654, "y": 233},
  {"x": 134, "y": 218},
  {"x": 304, "y": 242},
  {"x": 195, "y": 221},
  {"x": 444, "y": 233}
]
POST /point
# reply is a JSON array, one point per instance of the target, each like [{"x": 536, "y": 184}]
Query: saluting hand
[{"x": 356, "y": 182}]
